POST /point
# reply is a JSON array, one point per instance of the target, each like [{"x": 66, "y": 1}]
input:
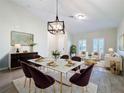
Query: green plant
[
  {"x": 56, "y": 53},
  {"x": 73, "y": 49}
]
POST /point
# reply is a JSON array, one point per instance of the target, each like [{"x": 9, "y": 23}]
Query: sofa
[
  {"x": 112, "y": 57},
  {"x": 96, "y": 56}
]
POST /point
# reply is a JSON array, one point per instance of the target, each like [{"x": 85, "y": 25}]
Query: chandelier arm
[{"x": 57, "y": 8}]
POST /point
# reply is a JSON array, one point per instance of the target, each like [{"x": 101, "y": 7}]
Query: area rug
[
  {"x": 100, "y": 63},
  {"x": 19, "y": 85}
]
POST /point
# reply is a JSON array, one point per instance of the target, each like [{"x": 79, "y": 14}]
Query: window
[
  {"x": 82, "y": 45},
  {"x": 98, "y": 45}
]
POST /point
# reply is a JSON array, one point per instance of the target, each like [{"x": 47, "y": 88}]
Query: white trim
[
  {"x": 3, "y": 68},
  {"x": 9, "y": 62}
]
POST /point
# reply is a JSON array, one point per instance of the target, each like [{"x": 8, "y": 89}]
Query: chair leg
[
  {"x": 54, "y": 88},
  {"x": 44, "y": 90},
  {"x": 35, "y": 90},
  {"x": 25, "y": 82},
  {"x": 86, "y": 89},
  {"x": 29, "y": 85},
  {"x": 71, "y": 87},
  {"x": 41, "y": 90},
  {"x": 83, "y": 90}
]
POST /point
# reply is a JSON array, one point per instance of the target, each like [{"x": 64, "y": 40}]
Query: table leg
[{"x": 61, "y": 82}]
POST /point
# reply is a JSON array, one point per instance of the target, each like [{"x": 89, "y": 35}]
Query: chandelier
[{"x": 56, "y": 27}]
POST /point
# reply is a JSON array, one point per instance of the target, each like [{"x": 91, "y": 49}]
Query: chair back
[
  {"x": 83, "y": 52},
  {"x": 85, "y": 76},
  {"x": 25, "y": 69},
  {"x": 41, "y": 80},
  {"x": 76, "y": 58},
  {"x": 95, "y": 53},
  {"x": 64, "y": 57},
  {"x": 36, "y": 56}
]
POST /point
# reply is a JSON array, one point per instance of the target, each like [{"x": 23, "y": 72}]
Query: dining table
[{"x": 61, "y": 65}]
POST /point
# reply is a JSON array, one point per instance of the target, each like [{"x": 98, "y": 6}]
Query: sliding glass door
[
  {"x": 82, "y": 44},
  {"x": 98, "y": 45}
]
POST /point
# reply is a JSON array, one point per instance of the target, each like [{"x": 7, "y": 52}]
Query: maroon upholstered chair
[
  {"x": 82, "y": 79},
  {"x": 36, "y": 56},
  {"x": 82, "y": 70},
  {"x": 41, "y": 80},
  {"x": 78, "y": 59},
  {"x": 64, "y": 57},
  {"x": 27, "y": 73}
]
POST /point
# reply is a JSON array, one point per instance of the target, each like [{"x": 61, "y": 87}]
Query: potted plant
[
  {"x": 56, "y": 54},
  {"x": 73, "y": 49}
]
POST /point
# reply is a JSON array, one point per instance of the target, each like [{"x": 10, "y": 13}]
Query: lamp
[
  {"x": 55, "y": 27},
  {"x": 110, "y": 50},
  {"x": 17, "y": 46}
]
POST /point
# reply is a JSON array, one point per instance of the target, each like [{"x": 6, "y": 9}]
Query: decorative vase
[
  {"x": 56, "y": 54},
  {"x": 56, "y": 57}
]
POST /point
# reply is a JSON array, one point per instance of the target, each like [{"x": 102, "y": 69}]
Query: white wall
[
  {"x": 64, "y": 43},
  {"x": 15, "y": 18},
  {"x": 52, "y": 43},
  {"x": 109, "y": 35},
  {"x": 120, "y": 32}
]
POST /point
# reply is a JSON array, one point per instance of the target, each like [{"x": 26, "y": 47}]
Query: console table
[{"x": 15, "y": 58}]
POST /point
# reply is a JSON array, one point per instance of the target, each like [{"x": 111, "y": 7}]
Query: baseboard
[{"x": 5, "y": 68}]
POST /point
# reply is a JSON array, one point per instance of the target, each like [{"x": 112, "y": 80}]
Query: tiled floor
[{"x": 107, "y": 82}]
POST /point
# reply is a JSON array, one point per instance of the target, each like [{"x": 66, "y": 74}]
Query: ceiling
[{"x": 101, "y": 13}]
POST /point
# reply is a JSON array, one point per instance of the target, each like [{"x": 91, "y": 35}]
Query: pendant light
[{"x": 56, "y": 27}]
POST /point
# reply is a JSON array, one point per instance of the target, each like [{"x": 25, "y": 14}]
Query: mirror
[{"x": 121, "y": 42}]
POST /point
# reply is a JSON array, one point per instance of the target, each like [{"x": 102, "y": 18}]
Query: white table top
[{"x": 60, "y": 64}]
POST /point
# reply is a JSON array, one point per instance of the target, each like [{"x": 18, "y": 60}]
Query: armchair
[
  {"x": 112, "y": 57},
  {"x": 96, "y": 56}
]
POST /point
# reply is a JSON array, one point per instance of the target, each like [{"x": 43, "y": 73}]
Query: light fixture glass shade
[
  {"x": 17, "y": 45},
  {"x": 80, "y": 16},
  {"x": 56, "y": 27},
  {"x": 110, "y": 50}
]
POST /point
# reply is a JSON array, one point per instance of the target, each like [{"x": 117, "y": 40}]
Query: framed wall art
[
  {"x": 121, "y": 42},
  {"x": 25, "y": 39}
]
